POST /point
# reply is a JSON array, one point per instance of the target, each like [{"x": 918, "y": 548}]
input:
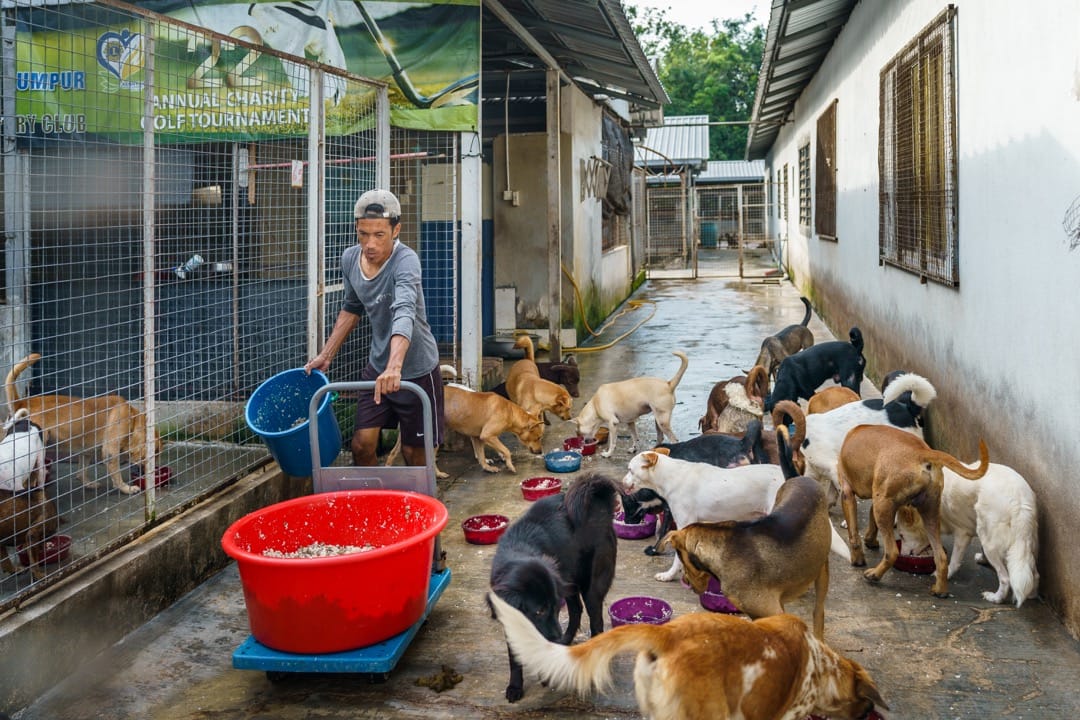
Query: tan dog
[
  {"x": 109, "y": 425},
  {"x": 482, "y": 417},
  {"x": 894, "y": 468},
  {"x": 830, "y": 398},
  {"x": 533, "y": 393},
  {"x": 627, "y": 400},
  {"x": 702, "y": 666},
  {"x": 26, "y": 520},
  {"x": 733, "y": 403}
]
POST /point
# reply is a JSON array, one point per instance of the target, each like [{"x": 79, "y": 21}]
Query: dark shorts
[{"x": 403, "y": 408}]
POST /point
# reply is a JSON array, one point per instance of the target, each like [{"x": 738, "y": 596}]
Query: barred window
[
  {"x": 917, "y": 225},
  {"x": 825, "y": 188},
  {"x": 804, "y": 185},
  {"x": 785, "y": 191}
]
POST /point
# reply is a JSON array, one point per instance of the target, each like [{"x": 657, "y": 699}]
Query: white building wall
[{"x": 1002, "y": 348}]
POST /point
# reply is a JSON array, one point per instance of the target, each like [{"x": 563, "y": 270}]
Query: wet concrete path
[{"x": 959, "y": 657}]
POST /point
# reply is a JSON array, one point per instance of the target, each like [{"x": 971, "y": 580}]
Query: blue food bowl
[{"x": 562, "y": 461}]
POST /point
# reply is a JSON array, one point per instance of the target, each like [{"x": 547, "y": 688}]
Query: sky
[{"x": 699, "y": 13}]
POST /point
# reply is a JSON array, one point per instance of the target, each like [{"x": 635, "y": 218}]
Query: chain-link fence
[{"x": 175, "y": 205}]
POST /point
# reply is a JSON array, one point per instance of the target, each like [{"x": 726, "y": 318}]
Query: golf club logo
[{"x": 121, "y": 54}]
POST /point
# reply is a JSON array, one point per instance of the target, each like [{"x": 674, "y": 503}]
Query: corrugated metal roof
[
  {"x": 683, "y": 140},
  {"x": 800, "y": 35},
  {"x": 732, "y": 171}
]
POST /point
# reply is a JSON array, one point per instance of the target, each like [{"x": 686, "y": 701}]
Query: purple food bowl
[
  {"x": 634, "y": 531},
  {"x": 714, "y": 599},
  {"x": 639, "y": 609}
]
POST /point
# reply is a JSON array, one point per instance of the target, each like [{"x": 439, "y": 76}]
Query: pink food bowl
[
  {"x": 639, "y": 609},
  {"x": 917, "y": 564},
  {"x": 585, "y": 446},
  {"x": 537, "y": 487},
  {"x": 56, "y": 549},
  {"x": 634, "y": 531},
  {"x": 714, "y": 599},
  {"x": 485, "y": 529},
  {"x": 162, "y": 475}
]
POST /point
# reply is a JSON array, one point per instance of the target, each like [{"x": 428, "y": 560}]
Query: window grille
[
  {"x": 917, "y": 156},
  {"x": 785, "y": 191},
  {"x": 804, "y": 186},
  {"x": 825, "y": 189}
]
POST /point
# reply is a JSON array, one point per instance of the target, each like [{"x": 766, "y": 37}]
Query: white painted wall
[{"x": 1001, "y": 348}]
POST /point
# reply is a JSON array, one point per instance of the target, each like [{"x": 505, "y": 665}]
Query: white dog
[
  {"x": 303, "y": 29},
  {"x": 627, "y": 400},
  {"x": 901, "y": 406},
  {"x": 22, "y": 454},
  {"x": 1000, "y": 508}
]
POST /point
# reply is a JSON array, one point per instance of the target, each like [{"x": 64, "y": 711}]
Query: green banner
[{"x": 85, "y": 71}]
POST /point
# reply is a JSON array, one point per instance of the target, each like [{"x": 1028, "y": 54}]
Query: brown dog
[
  {"x": 733, "y": 403},
  {"x": 762, "y": 564},
  {"x": 533, "y": 393},
  {"x": 788, "y": 341},
  {"x": 27, "y": 518},
  {"x": 894, "y": 468},
  {"x": 109, "y": 425},
  {"x": 703, "y": 666},
  {"x": 830, "y": 398}
]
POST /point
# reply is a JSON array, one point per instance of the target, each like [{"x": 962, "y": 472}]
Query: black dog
[
  {"x": 565, "y": 373},
  {"x": 718, "y": 449},
  {"x": 801, "y": 374},
  {"x": 562, "y": 548}
]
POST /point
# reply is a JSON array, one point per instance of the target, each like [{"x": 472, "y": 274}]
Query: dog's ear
[
  {"x": 663, "y": 451},
  {"x": 668, "y": 539}
]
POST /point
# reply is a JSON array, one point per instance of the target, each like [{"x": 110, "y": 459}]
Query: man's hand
[
  {"x": 319, "y": 362},
  {"x": 389, "y": 381}
]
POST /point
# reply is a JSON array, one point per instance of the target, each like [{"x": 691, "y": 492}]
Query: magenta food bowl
[
  {"x": 634, "y": 531},
  {"x": 485, "y": 529},
  {"x": 537, "y": 487},
  {"x": 714, "y": 599},
  {"x": 918, "y": 564},
  {"x": 585, "y": 446},
  {"x": 56, "y": 549},
  {"x": 639, "y": 609}
]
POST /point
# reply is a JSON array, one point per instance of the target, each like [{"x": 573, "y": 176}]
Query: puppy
[
  {"x": 22, "y": 454},
  {"x": 1001, "y": 509},
  {"x": 801, "y": 374},
  {"x": 627, "y": 400},
  {"x": 108, "y": 425},
  {"x": 895, "y": 468},
  {"x": 26, "y": 520},
  {"x": 830, "y": 398},
  {"x": 901, "y": 406},
  {"x": 788, "y": 341},
  {"x": 565, "y": 373},
  {"x": 702, "y": 666},
  {"x": 735, "y": 402},
  {"x": 696, "y": 492},
  {"x": 762, "y": 564},
  {"x": 525, "y": 387},
  {"x": 562, "y": 548}
]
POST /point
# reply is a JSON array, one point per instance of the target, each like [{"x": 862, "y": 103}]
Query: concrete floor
[{"x": 959, "y": 657}]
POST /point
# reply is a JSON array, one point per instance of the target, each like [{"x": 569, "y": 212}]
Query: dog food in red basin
[
  {"x": 585, "y": 446},
  {"x": 714, "y": 599},
  {"x": 918, "y": 564},
  {"x": 336, "y": 571},
  {"x": 639, "y": 609},
  {"x": 634, "y": 531},
  {"x": 162, "y": 475},
  {"x": 485, "y": 529},
  {"x": 55, "y": 549},
  {"x": 537, "y": 487}
]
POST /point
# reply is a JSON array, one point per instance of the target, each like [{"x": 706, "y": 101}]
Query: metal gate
[
  {"x": 669, "y": 249},
  {"x": 732, "y": 232}
]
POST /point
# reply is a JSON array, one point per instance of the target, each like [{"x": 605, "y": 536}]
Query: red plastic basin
[{"x": 343, "y": 602}]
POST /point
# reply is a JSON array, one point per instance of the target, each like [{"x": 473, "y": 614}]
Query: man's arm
[
  {"x": 389, "y": 380},
  {"x": 344, "y": 325}
]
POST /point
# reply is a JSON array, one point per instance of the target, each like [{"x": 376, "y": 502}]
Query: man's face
[{"x": 376, "y": 238}]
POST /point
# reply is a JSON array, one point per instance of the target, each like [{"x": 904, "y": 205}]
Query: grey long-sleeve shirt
[{"x": 394, "y": 303}]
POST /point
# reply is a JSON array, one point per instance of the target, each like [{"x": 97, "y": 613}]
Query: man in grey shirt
[{"x": 382, "y": 279}]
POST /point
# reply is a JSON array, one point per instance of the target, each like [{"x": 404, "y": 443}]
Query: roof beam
[{"x": 496, "y": 8}]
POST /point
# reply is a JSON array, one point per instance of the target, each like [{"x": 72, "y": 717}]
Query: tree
[{"x": 713, "y": 74}]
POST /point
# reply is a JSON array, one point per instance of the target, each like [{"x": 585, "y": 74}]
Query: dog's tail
[
  {"x": 13, "y": 399},
  {"x": 684, "y": 361},
  {"x": 855, "y": 338},
  {"x": 592, "y": 495},
  {"x": 809, "y": 312},
  {"x": 788, "y": 409},
  {"x": 757, "y": 383},
  {"x": 581, "y": 667},
  {"x": 922, "y": 392},
  {"x": 525, "y": 343},
  {"x": 946, "y": 460},
  {"x": 1021, "y": 553}
]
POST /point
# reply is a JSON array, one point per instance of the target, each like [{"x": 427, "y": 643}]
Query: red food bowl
[
  {"x": 537, "y": 487},
  {"x": 585, "y": 446},
  {"x": 634, "y": 531},
  {"x": 639, "y": 609},
  {"x": 485, "y": 529},
  {"x": 56, "y": 549},
  {"x": 162, "y": 475},
  {"x": 336, "y": 602},
  {"x": 917, "y": 564}
]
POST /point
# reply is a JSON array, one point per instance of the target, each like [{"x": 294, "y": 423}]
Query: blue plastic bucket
[
  {"x": 709, "y": 234},
  {"x": 278, "y": 413}
]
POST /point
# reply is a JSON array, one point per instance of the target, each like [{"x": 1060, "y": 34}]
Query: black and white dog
[
  {"x": 22, "y": 454},
  {"x": 801, "y": 374}
]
